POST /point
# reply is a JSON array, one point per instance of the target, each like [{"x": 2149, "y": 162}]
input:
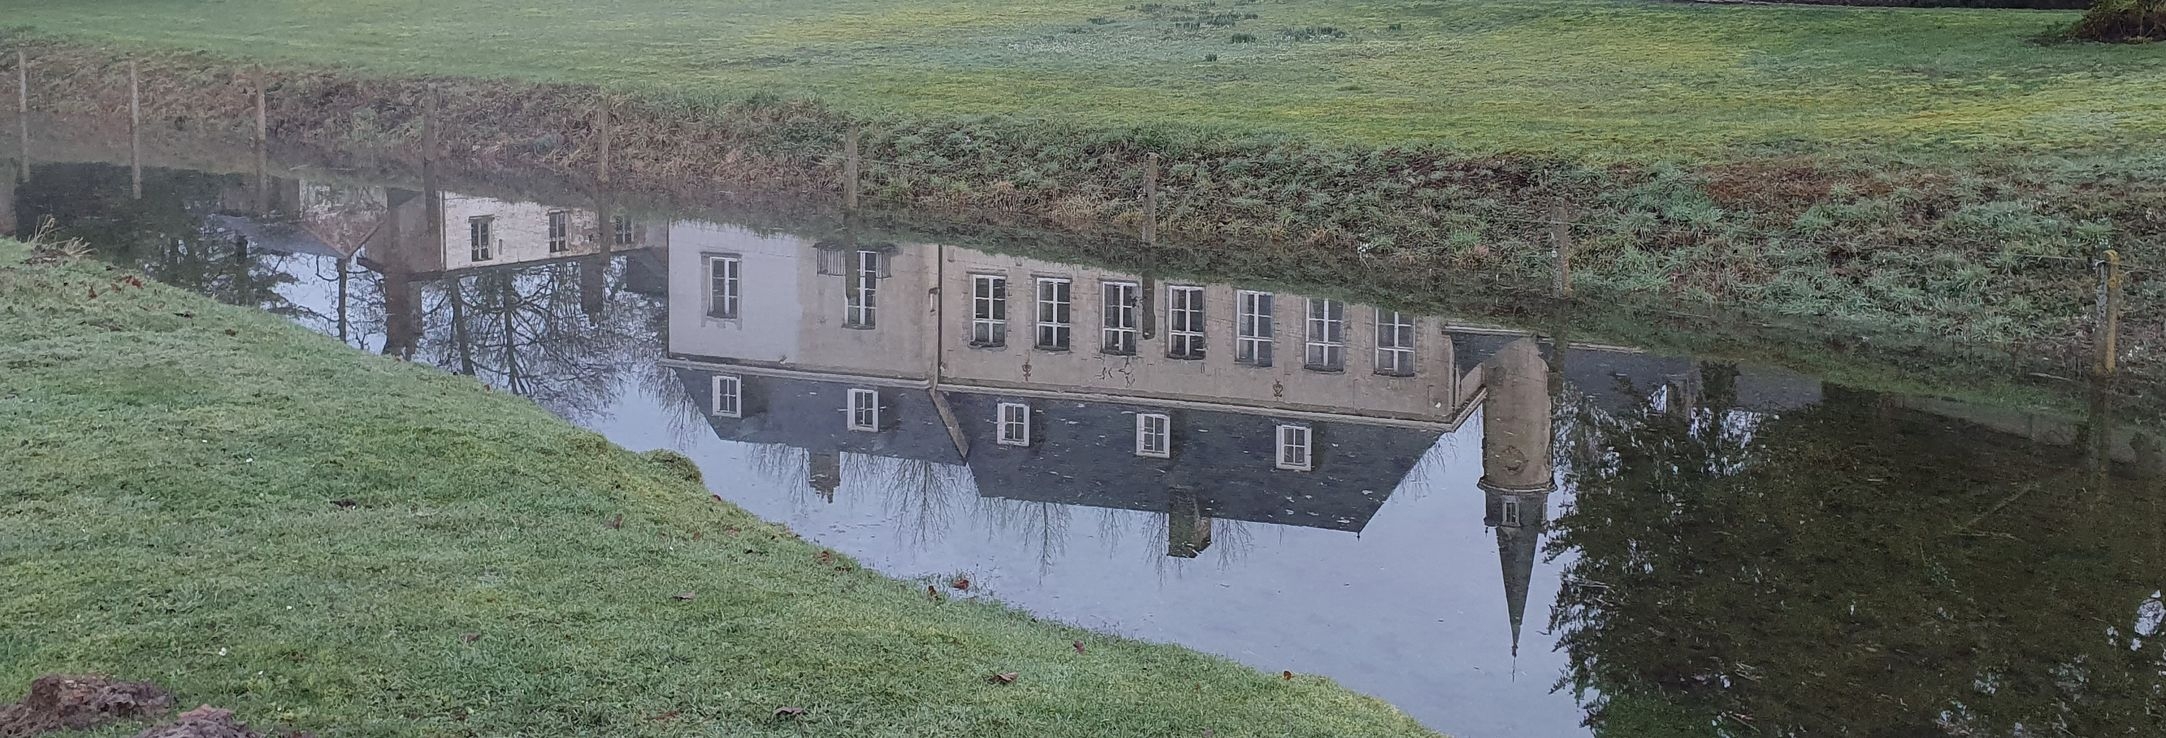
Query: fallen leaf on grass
[
  {"x": 1079, "y": 647},
  {"x": 789, "y": 711},
  {"x": 616, "y": 522},
  {"x": 666, "y": 717},
  {"x": 184, "y": 315},
  {"x": 470, "y": 638},
  {"x": 1005, "y": 677},
  {"x": 682, "y": 596},
  {"x": 344, "y": 504},
  {"x": 932, "y": 593},
  {"x": 826, "y": 557},
  {"x": 231, "y": 332},
  {"x": 1286, "y": 675},
  {"x": 960, "y": 583}
]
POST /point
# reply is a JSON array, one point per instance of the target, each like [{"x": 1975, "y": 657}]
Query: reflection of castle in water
[{"x": 1065, "y": 384}]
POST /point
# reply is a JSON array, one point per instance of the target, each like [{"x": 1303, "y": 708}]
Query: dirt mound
[
  {"x": 59, "y": 702},
  {"x": 202, "y": 722}
]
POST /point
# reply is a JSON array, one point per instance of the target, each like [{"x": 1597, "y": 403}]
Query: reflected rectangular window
[
  {"x": 1295, "y": 453},
  {"x": 1327, "y": 336},
  {"x": 988, "y": 310},
  {"x": 623, "y": 227},
  {"x": 864, "y": 410},
  {"x": 1394, "y": 343},
  {"x": 1253, "y": 328},
  {"x": 1014, "y": 424},
  {"x": 1154, "y": 435},
  {"x": 560, "y": 231},
  {"x": 861, "y": 306},
  {"x": 724, "y": 287},
  {"x": 1054, "y": 319},
  {"x": 729, "y": 399},
  {"x": 1123, "y": 320},
  {"x": 1511, "y": 511},
  {"x": 1184, "y": 322},
  {"x": 481, "y": 237}
]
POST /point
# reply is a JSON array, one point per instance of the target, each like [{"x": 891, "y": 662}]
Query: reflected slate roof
[
  {"x": 1617, "y": 380},
  {"x": 285, "y": 238},
  {"x": 1083, "y": 453}
]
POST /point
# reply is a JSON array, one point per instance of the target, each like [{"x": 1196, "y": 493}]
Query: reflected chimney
[{"x": 824, "y": 468}]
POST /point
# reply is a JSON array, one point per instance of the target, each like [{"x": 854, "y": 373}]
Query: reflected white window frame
[
  {"x": 725, "y": 286},
  {"x": 1055, "y": 302},
  {"x": 1326, "y": 345},
  {"x": 1254, "y": 327},
  {"x": 624, "y": 230},
  {"x": 1154, "y": 435},
  {"x": 560, "y": 231},
  {"x": 1511, "y": 512},
  {"x": 863, "y": 412},
  {"x": 1184, "y": 322},
  {"x": 988, "y": 310},
  {"x": 861, "y": 307},
  {"x": 1120, "y": 306},
  {"x": 1011, "y": 424},
  {"x": 1395, "y": 343},
  {"x": 481, "y": 238},
  {"x": 728, "y": 392},
  {"x": 1296, "y": 449}
]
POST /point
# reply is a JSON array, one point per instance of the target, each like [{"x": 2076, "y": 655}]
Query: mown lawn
[
  {"x": 168, "y": 513},
  {"x": 1598, "y": 79}
]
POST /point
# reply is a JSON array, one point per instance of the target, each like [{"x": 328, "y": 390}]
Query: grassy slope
[
  {"x": 1593, "y": 78},
  {"x": 164, "y": 516}
]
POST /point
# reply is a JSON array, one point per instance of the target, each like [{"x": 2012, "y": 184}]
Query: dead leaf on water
[{"x": 960, "y": 583}]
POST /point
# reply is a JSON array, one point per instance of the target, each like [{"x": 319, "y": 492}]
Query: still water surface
[{"x": 1502, "y": 534}]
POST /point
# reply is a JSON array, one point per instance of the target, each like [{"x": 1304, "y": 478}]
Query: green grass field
[
  {"x": 166, "y": 514},
  {"x": 1593, "y": 79}
]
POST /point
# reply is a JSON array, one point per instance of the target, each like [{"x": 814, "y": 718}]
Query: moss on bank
[{"x": 214, "y": 499}]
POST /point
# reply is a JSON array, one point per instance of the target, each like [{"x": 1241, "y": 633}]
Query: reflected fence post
[
  {"x": 22, "y": 109},
  {"x": 1150, "y": 199},
  {"x": 2106, "y": 333},
  {"x": 135, "y": 131},
  {"x": 850, "y": 166},
  {"x": 602, "y": 123},
  {"x": 1560, "y": 236},
  {"x": 263, "y": 159}
]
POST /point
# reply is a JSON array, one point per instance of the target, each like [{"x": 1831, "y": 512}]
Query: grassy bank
[
  {"x": 1616, "y": 79},
  {"x": 172, "y": 513}
]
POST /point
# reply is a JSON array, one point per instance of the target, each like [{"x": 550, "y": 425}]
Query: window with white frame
[
  {"x": 988, "y": 310},
  {"x": 729, "y": 396},
  {"x": 1394, "y": 343},
  {"x": 861, "y": 306},
  {"x": 481, "y": 237},
  {"x": 1326, "y": 336},
  {"x": 1253, "y": 328},
  {"x": 1054, "y": 318},
  {"x": 623, "y": 227},
  {"x": 1013, "y": 424},
  {"x": 725, "y": 286},
  {"x": 1123, "y": 318},
  {"x": 560, "y": 231},
  {"x": 1184, "y": 322},
  {"x": 1295, "y": 452},
  {"x": 864, "y": 410},
  {"x": 1511, "y": 511},
  {"x": 1154, "y": 435}
]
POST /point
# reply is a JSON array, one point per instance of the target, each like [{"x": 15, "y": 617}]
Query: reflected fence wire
[{"x": 2103, "y": 316}]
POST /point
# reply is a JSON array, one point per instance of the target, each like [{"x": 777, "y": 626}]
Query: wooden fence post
[
  {"x": 1150, "y": 199},
  {"x": 2106, "y": 336},
  {"x": 602, "y": 123},
  {"x": 135, "y": 131},
  {"x": 1560, "y": 235},
  {"x": 850, "y": 167}
]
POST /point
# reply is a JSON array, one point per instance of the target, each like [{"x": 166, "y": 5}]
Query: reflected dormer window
[
  {"x": 1295, "y": 450},
  {"x": 1154, "y": 435},
  {"x": 1327, "y": 336},
  {"x": 1013, "y": 424},
  {"x": 988, "y": 310},
  {"x": 864, "y": 410},
  {"x": 1394, "y": 343},
  {"x": 481, "y": 238},
  {"x": 724, "y": 286},
  {"x": 624, "y": 231},
  {"x": 1123, "y": 318},
  {"x": 1253, "y": 328},
  {"x": 729, "y": 397},
  {"x": 560, "y": 231},
  {"x": 1510, "y": 513}
]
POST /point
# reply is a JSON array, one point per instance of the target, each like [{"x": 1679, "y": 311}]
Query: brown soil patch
[
  {"x": 59, "y": 702},
  {"x": 202, "y": 722}
]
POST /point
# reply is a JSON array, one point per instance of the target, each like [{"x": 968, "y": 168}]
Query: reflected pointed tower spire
[{"x": 1516, "y": 471}]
